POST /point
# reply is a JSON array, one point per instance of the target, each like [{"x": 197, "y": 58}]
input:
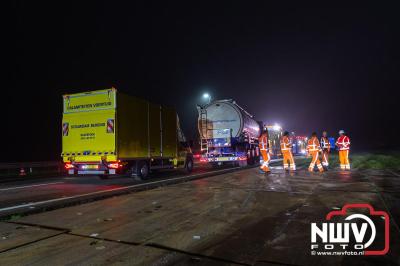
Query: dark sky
[{"x": 307, "y": 68}]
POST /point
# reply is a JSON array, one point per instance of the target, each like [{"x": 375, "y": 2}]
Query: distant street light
[
  {"x": 207, "y": 97},
  {"x": 277, "y": 127}
]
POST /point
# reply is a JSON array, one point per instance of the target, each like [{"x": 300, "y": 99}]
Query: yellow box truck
[{"x": 106, "y": 132}]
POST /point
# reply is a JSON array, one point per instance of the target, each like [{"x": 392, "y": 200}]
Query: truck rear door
[{"x": 88, "y": 126}]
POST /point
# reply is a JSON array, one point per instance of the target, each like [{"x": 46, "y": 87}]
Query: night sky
[{"x": 308, "y": 69}]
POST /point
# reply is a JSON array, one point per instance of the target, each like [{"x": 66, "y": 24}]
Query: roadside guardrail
[
  {"x": 30, "y": 168},
  {"x": 30, "y": 165}
]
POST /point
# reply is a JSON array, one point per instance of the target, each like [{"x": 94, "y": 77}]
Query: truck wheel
[
  {"x": 143, "y": 170},
  {"x": 189, "y": 165},
  {"x": 215, "y": 165}
]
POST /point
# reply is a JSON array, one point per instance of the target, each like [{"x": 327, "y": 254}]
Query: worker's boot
[{"x": 286, "y": 167}]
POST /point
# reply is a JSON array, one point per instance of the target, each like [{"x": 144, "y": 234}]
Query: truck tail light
[
  {"x": 115, "y": 165},
  {"x": 69, "y": 166},
  {"x": 203, "y": 160}
]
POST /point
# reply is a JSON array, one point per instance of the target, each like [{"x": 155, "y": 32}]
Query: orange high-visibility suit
[
  {"x": 286, "y": 148},
  {"x": 326, "y": 149},
  {"x": 313, "y": 149},
  {"x": 264, "y": 149},
  {"x": 343, "y": 143}
]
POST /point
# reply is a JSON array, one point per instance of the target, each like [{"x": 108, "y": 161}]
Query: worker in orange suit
[
  {"x": 313, "y": 150},
  {"x": 343, "y": 143},
  {"x": 264, "y": 149},
  {"x": 326, "y": 149},
  {"x": 286, "y": 148}
]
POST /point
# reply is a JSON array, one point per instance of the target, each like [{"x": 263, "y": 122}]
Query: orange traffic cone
[{"x": 22, "y": 172}]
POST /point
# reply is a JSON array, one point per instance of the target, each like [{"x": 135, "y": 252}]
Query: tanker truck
[{"x": 228, "y": 134}]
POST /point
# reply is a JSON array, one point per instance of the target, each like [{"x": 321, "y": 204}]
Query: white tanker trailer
[{"x": 228, "y": 133}]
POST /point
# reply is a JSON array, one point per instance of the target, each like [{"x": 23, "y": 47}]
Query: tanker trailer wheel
[{"x": 189, "y": 165}]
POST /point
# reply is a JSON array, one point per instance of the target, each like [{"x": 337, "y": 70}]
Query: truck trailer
[
  {"x": 228, "y": 134},
  {"x": 106, "y": 132}
]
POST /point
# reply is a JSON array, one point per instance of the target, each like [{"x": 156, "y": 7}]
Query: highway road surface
[
  {"x": 240, "y": 217},
  {"x": 33, "y": 194}
]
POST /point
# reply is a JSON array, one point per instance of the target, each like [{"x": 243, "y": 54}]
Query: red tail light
[
  {"x": 69, "y": 166},
  {"x": 242, "y": 158},
  {"x": 203, "y": 160},
  {"x": 115, "y": 165}
]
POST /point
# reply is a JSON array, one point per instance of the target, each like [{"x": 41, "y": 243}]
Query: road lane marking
[
  {"x": 37, "y": 185},
  {"x": 392, "y": 172},
  {"x": 113, "y": 189}
]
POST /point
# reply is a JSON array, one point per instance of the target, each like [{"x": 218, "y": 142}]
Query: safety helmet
[{"x": 341, "y": 131}]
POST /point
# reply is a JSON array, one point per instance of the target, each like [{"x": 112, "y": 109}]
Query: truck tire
[
  {"x": 215, "y": 165},
  {"x": 189, "y": 165},
  {"x": 142, "y": 170}
]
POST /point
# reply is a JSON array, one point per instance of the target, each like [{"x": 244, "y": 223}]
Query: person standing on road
[
  {"x": 313, "y": 150},
  {"x": 264, "y": 150},
  {"x": 286, "y": 148},
  {"x": 326, "y": 149},
  {"x": 343, "y": 143}
]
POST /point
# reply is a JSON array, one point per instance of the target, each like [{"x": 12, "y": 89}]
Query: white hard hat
[{"x": 341, "y": 131}]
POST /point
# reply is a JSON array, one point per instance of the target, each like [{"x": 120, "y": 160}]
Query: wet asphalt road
[
  {"x": 23, "y": 194},
  {"x": 238, "y": 218}
]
